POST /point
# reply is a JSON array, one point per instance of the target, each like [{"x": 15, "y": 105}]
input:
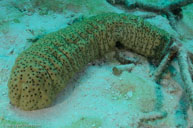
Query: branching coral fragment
[
  {"x": 151, "y": 116},
  {"x": 117, "y": 70},
  {"x": 172, "y": 11},
  {"x": 164, "y": 63},
  {"x": 185, "y": 74}
]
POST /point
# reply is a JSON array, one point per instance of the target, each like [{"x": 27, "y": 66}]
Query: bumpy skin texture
[{"x": 43, "y": 70}]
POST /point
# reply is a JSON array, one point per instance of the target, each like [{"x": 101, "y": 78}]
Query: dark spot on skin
[{"x": 119, "y": 45}]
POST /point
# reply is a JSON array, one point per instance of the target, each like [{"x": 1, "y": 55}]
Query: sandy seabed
[{"x": 95, "y": 98}]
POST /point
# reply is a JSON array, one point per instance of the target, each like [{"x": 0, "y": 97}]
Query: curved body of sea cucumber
[{"x": 43, "y": 70}]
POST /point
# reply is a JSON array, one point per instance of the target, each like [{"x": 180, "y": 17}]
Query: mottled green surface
[{"x": 44, "y": 69}]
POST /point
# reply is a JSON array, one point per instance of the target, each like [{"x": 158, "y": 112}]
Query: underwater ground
[{"x": 96, "y": 97}]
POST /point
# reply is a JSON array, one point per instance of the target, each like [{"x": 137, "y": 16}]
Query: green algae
[
  {"x": 4, "y": 123},
  {"x": 48, "y": 5},
  {"x": 86, "y": 122},
  {"x": 44, "y": 7}
]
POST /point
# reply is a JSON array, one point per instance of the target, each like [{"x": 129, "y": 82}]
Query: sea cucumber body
[{"x": 44, "y": 69}]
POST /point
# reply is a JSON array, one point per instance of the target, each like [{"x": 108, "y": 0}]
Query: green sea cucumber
[{"x": 44, "y": 69}]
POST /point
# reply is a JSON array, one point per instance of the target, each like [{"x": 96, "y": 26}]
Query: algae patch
[
  {"x": 4, "y": 123},
  {"x": 86, "y": 122}
]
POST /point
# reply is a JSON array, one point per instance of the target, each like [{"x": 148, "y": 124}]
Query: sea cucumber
[{"x": 44, "y": 69}]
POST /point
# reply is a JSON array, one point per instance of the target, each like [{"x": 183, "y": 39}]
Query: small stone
[
  {"x": 72, "y": 15},
  {"x": 11, "y": 52},
  {"x": 114, "y": 98},
  {"x": 129, "y": 94},
  {"x": 167, "y": 76},
  {"x": 3, "y": 93},
  {"x": 116, "y": 71},
  {"x": 107, "y": 88},
  {"x": 93, "y": 125}
]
